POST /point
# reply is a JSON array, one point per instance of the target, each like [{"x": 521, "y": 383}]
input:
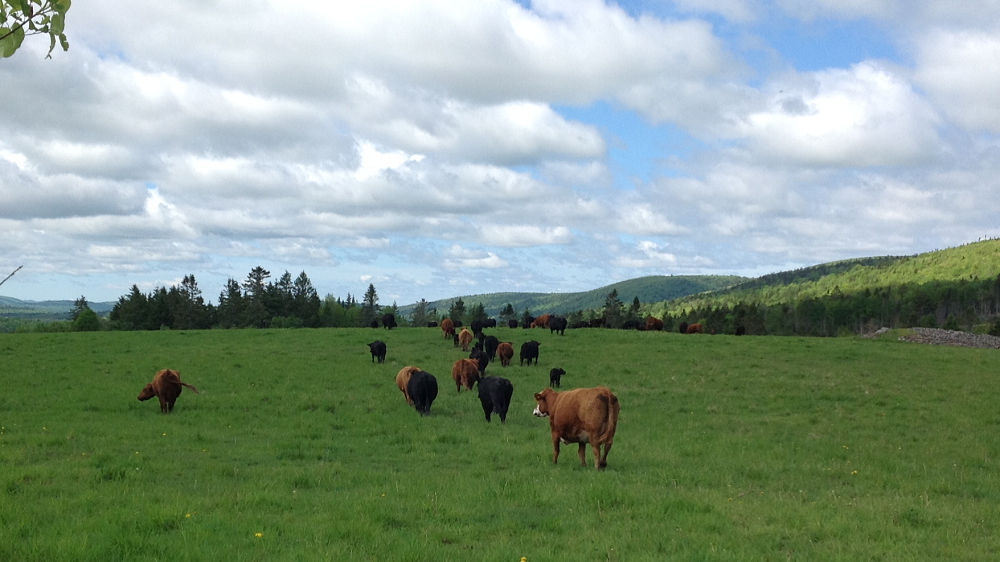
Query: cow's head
[
  {"x": 542, "y": 403},
  {"x": 147, "y": 392}
]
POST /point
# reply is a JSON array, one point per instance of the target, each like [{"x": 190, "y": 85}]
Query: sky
[{"x": 445, "y": 147}]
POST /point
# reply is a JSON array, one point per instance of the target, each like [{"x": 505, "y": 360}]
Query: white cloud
[
  {"x": 959, "y": 71},
  {"x": 458, "y": 257},
  {"x": 865, "y": 116}
]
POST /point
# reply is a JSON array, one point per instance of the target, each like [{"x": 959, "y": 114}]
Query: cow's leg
[
  {"x": 604, "y": 456},
  {"x": 163, "y": 404},
  {"x": 555, "y": 447},
  {"x": 583, "y": 454}
]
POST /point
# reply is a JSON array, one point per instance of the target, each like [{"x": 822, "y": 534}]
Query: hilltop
[{"x": 648, "y": 289}]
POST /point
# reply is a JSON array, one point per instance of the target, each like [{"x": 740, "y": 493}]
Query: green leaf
[
  {"x": 9, "y": 44},
  {"x": 63, "y": 42},
  {"x": 57, "y": 24},
  {"x": 61, "y": 6}
]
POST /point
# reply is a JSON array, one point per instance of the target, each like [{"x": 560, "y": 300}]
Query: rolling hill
[{"x": 648, "y": 289}]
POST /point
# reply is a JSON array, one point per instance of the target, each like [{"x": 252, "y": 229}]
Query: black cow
[
  {"x": 490, "y": 347},
  {"x": 512, "y": 323},
  {"x": 526, "y": 322},
  {"x": 378, "y": 351},
  {"x": 481, "y": 358},
  {"x": 554, "y": 376},
  {"x": 630, "y": 325},
  {"x": 494, "y": 394},
  {"x": 557, "y": 324},
  {"x": 389, "y": 320},
  {"x": 374, "y": 323},
  {"x": 741, "y": 330},
  {"x": 422, "y": 388},
  {"x": 477, "y": 327},
  {"x": 490, "y": 323},
  {"x": 682, "y": 327},
  {"x": 432, "y": 324},
  {"x": 529, "y": 351}
]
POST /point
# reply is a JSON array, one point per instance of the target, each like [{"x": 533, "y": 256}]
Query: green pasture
[{"x": 300, "y": 448}]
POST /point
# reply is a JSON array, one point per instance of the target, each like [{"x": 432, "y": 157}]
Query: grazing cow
[
  {"x": 378, "y": 351},
  {"x": 557, "y": 324},
  {"x": 512, "y": 323},
  {"x": 682, "y": 327},
  {"x": 741, "y": 330},
  {"x": 447, "y": 327},
  {"x": 529, "y": 351},
  {"x": 694, "y": 329},
  {"x": 597, "y": 323},
  {"x": 422, "y": 388},
  {"x": 389, "y": 320},
  {"x": 527, "y": 322},
  {"x": 477, "y": 327},
  {"x": 490, "y": 323},
  {"x": 374, "y": 323},
  {"x": 506, "y": 352},
  {"x": 653, "y": 324},
  {"x": 465, "y": 338},
  {"x": 630, "y": 325},
  {"x": 432, "y": 324},
  {"x": 490, "y": 347},
  {"x": 580, "y": 324},
  {"x": 166, "y": 386},
  {"x": 584, "y": 415},
  {"x": 465, "y": 372},
  {"x": 455, "y": 338},
  {"x": 494, "y": 395},
  {"x": 541, "y": 321},
  {"x": 555, "y": 376},
  {"x": 402, "y": 378}
]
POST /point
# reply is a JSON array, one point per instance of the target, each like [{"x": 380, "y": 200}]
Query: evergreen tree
[
  {"x": 477, "y": 312},
  {"x": 457, "y": 311},
  {"x": 129, "y": 313},
  {"x": 231, "y": 305},
  {"x": 418, "y": 318},
  {"x": 306, "y": 301},
  {"x": 613, "y": 310},
  {"x": 369, "y": 306},
  {"x": 79, "y": 305},
  {"x": 507, "y": 314}
]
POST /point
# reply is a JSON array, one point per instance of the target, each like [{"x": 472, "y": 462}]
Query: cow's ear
[{"x": 538, "y": 396}]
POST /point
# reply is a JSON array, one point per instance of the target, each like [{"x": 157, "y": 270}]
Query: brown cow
[
  {"x": 403, "y": 377},
  {"x": 653, "y": 324},
  {"x": 465, "y": 338},
  {"x": 541, "y": 321},
  {"x": 584, "y": 415},
  {"x": 465, "y": 372},
  {"x": 694, "y": 329},
  {"x": 167, "y": 387},
  {"x": 505, "y": 350},
  {"x": 448, "y": 327}
]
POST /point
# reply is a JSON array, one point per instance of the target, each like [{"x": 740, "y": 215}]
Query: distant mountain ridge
[
  {"x": 648, "y": 289},
  {"x": 46, "y": 310}
]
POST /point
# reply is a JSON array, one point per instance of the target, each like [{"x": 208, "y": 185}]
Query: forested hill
[
  {"x": 958, "y": 286},
  {"x": 45, "y": 310},
  {"x": 649, "y": 289}
]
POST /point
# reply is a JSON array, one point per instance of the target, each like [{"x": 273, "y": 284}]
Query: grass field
[{"x": 300, "y": 448}]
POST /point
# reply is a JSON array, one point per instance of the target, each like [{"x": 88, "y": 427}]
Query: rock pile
[{"x": 950, "y": 337}]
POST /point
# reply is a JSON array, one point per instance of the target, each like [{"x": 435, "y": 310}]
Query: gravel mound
[{"x": 937, "y": 336}]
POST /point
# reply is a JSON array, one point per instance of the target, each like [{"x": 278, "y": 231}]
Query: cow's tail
[
  {"x": 193, "y": 389},
  {"x": 611, "y": 422}
]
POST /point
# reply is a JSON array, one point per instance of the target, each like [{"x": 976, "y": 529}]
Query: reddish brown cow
[
  {"x": 403, "y": 377},
  {"x": 694, "y": 329},
  {"x": 653, "y": 324},
  {"x": 167, "y": 387},
  {"x": 448, "y": 327},
  {"x": 505, "y": 350},
  {"x": 541, "y": 321},
  {"x": 465, "y": 372},
  {"x": 584, "y": 415},
  {"x": 465, "y": 338}
]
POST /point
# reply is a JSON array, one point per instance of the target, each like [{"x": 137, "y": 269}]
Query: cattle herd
[{"x": 583, "y": 415}]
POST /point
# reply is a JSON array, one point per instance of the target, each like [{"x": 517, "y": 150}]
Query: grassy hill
[
  {"x": 971, "y": 262},
  {"x": 649, "y": 289}
]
